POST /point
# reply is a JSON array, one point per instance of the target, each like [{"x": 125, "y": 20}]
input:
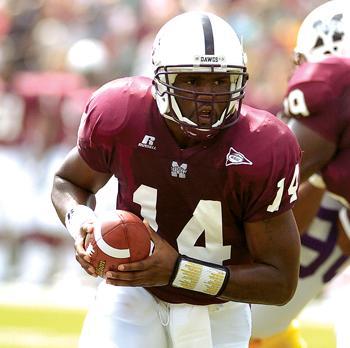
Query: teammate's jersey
[
  {"x": 321, "y": 260},
  {"x": 196, "y": 198},
  {"x": 319, "y": 96}
]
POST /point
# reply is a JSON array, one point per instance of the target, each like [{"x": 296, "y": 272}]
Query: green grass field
[
  {"x": 26, "y": 327},
  {"x": 318, "y": 336}
]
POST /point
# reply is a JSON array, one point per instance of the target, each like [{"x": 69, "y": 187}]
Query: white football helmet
[
  {"x": 198, "y": 42},
  {"x": 325, "y": 31}
]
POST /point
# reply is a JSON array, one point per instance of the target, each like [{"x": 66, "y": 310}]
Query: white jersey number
[
  {"x": 292, "y": 191},
  {"x": 295, "y": 104},
  {"x": 207, "y": 219}
]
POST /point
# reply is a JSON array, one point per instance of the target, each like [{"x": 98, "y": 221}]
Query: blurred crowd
[{"x": 53, "y": 54}]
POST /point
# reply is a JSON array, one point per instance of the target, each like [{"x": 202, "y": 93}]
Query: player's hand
[
  {"x": 155, "y": 270},
  {"x": 80, "y": 253}
]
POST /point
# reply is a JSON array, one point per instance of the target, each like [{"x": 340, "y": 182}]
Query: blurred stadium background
[{"x": 53, "y": 54}]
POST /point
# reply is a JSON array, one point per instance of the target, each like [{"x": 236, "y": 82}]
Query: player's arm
[
  {"x": 272, "y": 278},
  {"x": 74, "y": 188},
  {"x": 75, "y": 183},
  {"x": 307, "y": 205},
  {"x": 317, "y": 151}
]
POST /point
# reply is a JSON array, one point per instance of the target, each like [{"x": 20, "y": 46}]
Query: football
[{"x": 119, "y": 237}]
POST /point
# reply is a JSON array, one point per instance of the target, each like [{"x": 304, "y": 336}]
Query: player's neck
[{"x": 183, "y": 140}]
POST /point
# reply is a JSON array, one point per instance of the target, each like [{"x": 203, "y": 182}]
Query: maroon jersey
[
  {"x": 196, "y": 198},
  {"x": 319, "y": 97}
]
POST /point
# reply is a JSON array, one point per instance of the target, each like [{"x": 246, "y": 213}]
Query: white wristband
[
  {"x": 344, "y": 220},
  {"x": 317, "y": 181},
  {"x": 76, "y": 217},
  {"x": 199, "y": 276}
]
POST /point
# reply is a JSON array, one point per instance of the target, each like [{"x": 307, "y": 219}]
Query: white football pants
[{"x": 130, "y": 317}]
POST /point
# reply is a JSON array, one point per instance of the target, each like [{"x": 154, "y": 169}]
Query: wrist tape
[
  {"x": 201, "y": 276},
  {"x": 344, "y": 220},
  {"x": 76, "y": 217},
  {"x": 316, "y": 180}
]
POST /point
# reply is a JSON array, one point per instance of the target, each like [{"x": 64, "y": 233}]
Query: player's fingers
[
  {"x": 134, "y": 266},
  {"x": 155, "y": 237},
  {"x": 119, "y": 282},
  {"x": 88, "y": 227},
  {"x": 132, "y": 279},
  {"x": 151, "y": 231},
  {"x": 126, "y": 278},
  {"x": 147, "y": 225},
  {"x": 83, "y": 257},
  {"x": 85, "y": 265},
  {"x": 80, "y": 249}
]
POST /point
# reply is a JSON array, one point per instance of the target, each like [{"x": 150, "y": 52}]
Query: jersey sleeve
[
  {"x": 336, "y": 175},
  {"x": 273, "y": 187},
  {"x": 312, "y": 100},
  {"x": 102, "y": 120}
]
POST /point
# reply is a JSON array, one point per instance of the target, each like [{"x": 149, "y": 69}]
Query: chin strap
[{"x": 202, "y": 135}]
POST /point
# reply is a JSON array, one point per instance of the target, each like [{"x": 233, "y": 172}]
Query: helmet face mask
[
  {"x": 221, "y": 105},
  {"x": 177, "y": 54},
  {"x": 324, "y": 32}
]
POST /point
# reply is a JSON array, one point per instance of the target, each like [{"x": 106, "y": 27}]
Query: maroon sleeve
[
  {"x": 336, "y": 175},
  {"x": 314, "y": 96},
  {"x": 103, "y": 118}
]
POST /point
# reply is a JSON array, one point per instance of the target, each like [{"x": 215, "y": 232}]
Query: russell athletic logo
[
  {"x": 148, "y": 142},
  {"x": 235, "y": 158}
]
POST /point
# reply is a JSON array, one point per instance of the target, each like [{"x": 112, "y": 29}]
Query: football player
[
  {"x": 317, "y": 106},
  {"x": 215, "y": 181}
]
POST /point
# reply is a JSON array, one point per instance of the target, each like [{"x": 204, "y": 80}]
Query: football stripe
[
  {"x": 208, "y": 36},
  {"x": 106, "y": 248}
]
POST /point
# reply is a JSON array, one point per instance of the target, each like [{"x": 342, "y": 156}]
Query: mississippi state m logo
[{"x": 178, "y": 170}]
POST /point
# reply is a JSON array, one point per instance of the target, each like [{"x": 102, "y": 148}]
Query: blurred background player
[
  {"x": 45, "y": 142},
  {"x": 12, "y": 114},
  {"x": 39, "y": 120},
  {"x": 317, "y": 106}
]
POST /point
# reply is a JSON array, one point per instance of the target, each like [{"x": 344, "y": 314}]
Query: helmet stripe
[{"x": 208, "y": 35}]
